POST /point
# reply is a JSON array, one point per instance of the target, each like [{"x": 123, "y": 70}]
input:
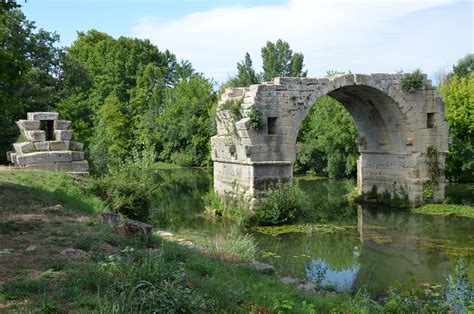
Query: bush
[
  {"x": 127, "y": 188},
  {"x": 122, "y": 195},
  {"x": 413, "y": 82},
  {"x": 256, "y": 119},
  {"x": 285, "y": 203}
]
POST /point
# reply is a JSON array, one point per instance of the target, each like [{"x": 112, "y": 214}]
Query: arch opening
[{"x": 381, "y": 130}]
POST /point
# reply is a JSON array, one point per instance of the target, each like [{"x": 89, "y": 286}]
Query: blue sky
[{"x": 369, "y": 36}]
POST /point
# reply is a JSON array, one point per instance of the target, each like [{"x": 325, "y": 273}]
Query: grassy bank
[
  {"x": 42, "y": 214},
  {"x": 50, "y": 212}
]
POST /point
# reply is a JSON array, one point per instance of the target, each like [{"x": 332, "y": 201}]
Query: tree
[
  {"x": 458, "y": 95},
  {"x": 246, "y": 74},
  {"x": 465, "y": 66},
  {"x": 30, "y": 65},
  {"x": 327, "y": 141},
  {"x": 185, "y": 126},
  {"x": 279, "y": 60}
]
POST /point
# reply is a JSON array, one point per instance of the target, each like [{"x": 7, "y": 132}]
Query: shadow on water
[{"x": 380, "y": 246}]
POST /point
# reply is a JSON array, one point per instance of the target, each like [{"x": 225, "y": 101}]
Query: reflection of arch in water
[
  {"x": 395, "y": 130},
  {"x": 320, "y": 274}
]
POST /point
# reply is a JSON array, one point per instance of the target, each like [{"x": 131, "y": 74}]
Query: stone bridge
[{"x": 396, "y": 132}]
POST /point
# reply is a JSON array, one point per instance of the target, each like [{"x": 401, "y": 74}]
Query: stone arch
[{"x": 392, "y": 125}]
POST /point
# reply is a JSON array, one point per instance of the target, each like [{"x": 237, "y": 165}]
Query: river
[{"x": 381, "y": 245}]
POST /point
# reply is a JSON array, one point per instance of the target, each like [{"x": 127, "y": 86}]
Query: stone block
[
  {"x": 46, "y": 166},
  {"x": 28, "y": 125},
  {"x": 60, "y": 156},
  {"x": 34, "y": 158},
  {"x": 42, "y": 146},
  {"x": 62, "y": 124},
  {"x": 13, "y": 158},
  {"x": 79, "y": 166},
  {"x": 24, "y": 148},
  {"x": 38, "y": 116},
  {"x": 74, "y": 166},
  {"x": 63, "y": 135},
  {"x": 58, "y": 145},
  {"x": 9, "y": 156},
  {"x": 77, "y": 156},
  {"x": 35, "y": 136}
]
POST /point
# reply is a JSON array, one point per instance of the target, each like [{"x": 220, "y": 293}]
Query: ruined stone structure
[
  {"x": 48, "y": 145},
  {"x": 397, "y": 132}
]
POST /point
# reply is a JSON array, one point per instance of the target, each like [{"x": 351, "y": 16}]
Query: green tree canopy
[
  {"x": 327, "y": 141},
  {"x": 279, "y": 60},
  {"x": 458, "y": 95},
  {"x": 30, "y": 69}
]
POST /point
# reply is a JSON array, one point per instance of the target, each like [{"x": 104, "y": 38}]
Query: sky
[{"x": 361, "y": 36}]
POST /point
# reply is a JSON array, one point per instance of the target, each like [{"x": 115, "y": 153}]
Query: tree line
[{"x": 125, "y": 96}]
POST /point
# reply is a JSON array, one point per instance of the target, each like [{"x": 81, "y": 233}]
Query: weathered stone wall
[
  {"x": 395, "y": 130},
  {"x": 59, "y": 153}
]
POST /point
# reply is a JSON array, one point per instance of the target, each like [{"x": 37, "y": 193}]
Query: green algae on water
[
  {"x": 303, "y": 228},
  {"x": 446, "y": 210}
]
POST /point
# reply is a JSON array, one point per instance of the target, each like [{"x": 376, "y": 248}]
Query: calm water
[{"x": 383, "y": 246}]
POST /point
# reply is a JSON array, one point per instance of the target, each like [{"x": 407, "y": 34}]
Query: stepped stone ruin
[
  {"x": 48, "y": 145},
  {"x": 403, "y": 138}
]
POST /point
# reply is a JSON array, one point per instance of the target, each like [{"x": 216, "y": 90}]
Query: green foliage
[
  {"x": 128, "y": 187},
  {"x": 432, "y": 162},
  {"x": 234, "y": 107},
  {"x": 460, "y": 292},
  {"x": 30, "y": 71},
  {"x": 410, "y": 298},
  {"x": 434, "y": 173},
  {"x": 246, "y": 74},
  {"x": 129, "y": 95},
  {"x": 413, "y": 82},
  {"x": 446, "y": 210},
  {"x": 327, "y": 141},
  {"x": 465, "y": 66},
  {"x": 239, "y": 243},
  {"x": 283, "y": 204},
  {"x": 428, "y": 190},
  {"x": 458, "y": 95},
  {"x": 185, "y": 124},
  {"x": 256, "y": 119},
  {"x": 279, "y": 60}
]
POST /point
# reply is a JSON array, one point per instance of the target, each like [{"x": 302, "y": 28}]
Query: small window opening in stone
[
  {"x": 48, "y": 127},
  {"x": 272, "y": 125},
  {"x": 430, "y": 120}
]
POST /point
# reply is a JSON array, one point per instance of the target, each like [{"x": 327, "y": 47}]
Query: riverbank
[{"x": 56, "y": 257}]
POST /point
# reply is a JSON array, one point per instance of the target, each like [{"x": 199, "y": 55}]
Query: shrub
[
  {"x": 413, "y": 82},
  {"x": 240, "y": 244},
  {"x": 234, "y": 107},
  {"x": 122, "y": 195},
  {"x": 256, "y": 119},
  {"x": 284, "y": 203},
  {"x": 127, "y": 188}
]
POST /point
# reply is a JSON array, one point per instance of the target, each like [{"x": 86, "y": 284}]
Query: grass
[
  {"x": 117, "y": 274},
  {"x": 446, "y": 210},
  {"x": 130, "y": 275}
]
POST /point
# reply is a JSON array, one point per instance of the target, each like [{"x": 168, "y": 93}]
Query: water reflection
[{"x": 384, "y": 245}]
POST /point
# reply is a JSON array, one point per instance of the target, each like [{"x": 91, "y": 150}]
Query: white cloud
[{"x": 362, "y": 36}]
